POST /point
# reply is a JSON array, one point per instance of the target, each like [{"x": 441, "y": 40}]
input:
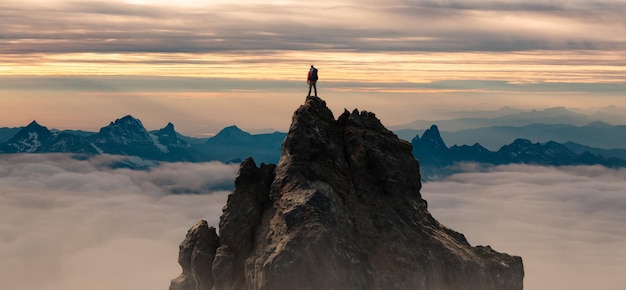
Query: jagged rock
[
  {"x": 343, "y": 210},
  {"x": 241, "y": 218},
  {"x": 195, "y": 255},
  {"x": 169, "y": 138},
  {"x": 128, "y": 136}
]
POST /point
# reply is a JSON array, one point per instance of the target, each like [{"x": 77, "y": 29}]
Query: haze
[{"x": 69, "y": 224}]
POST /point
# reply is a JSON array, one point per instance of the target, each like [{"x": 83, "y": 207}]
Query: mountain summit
[{"x": 341, "y": 210}]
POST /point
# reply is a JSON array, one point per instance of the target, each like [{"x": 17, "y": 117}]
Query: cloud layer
[
  {"x": 68, "y": 224},
  {"x": 568, "y": 224},
  {"x": 401, "y": 58},
  {"x": 397, "y": 25},
  {"x": 65, "y": 224}
]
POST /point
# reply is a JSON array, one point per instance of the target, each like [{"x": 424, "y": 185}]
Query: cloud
[
  {"x": 73, "y": 224},
  {"x": 70, "y": 224},
  {"x": 399, "y": 25},
  {"x": 567, "y": 224}
]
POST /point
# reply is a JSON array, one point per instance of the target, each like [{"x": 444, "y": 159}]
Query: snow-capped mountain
[
  {"x": 32, "y": 138},
  {"x": 126, "y": 136},
  {"x": 35, "y": 138},
  {"x": 169, "y": 138}
]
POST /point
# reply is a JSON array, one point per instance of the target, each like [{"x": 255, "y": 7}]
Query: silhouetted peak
[
  {"x": 35, "y": 127},
  {"x": 232, "y": 132},
  {"x": 432, "y": 139},
  {"x": 434, "y": 129},
  {"x": 31, "y": 138},
  {"x": 127, "y": 122},
  {"x": 33, "y": 124},
  {"x": 125, "y": 130},
  {"x": 230, "y": 135},
  {"x": 128, "y": 119},
  {"x": 168, "y": 130},
  {"x": 233, "y": 129},
  {"x": 167, "y": 136}
]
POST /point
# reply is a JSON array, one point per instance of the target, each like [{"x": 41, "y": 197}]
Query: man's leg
[
  {"x": 310, "y": 84},
  {"x": 315, "y": 87}
]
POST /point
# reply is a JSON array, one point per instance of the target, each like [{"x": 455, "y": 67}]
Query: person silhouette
[{"x": 312, "y": 80}]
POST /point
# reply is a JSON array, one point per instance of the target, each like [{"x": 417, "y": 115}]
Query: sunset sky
[{"x": 204, "y": 65}]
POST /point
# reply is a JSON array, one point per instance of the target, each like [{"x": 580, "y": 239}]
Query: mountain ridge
[
  {"x": 437, "y": 159},
  {"x": 519, "y": 118},
  {"x": 127, "y": 136},
  {"x": 596, "y": 134}
]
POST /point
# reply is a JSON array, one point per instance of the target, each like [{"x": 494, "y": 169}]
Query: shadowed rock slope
[{"x": 341, "y": 210}]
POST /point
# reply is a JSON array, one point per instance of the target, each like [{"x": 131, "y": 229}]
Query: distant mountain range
[
  {"x": 128, "y": 137},
  {"x": 597, "y": 135},
  {"x": 437, "y": 159},
  {"x": 510, "y": 117},
  {"x": 603, "y": 129}
]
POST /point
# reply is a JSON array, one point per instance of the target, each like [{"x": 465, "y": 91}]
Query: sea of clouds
[
  {"x": 69, "y": 224},
  {"x": 568, "y": 224}
]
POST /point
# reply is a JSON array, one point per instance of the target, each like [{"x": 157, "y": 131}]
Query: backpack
[{"x": 314, "y": 74}]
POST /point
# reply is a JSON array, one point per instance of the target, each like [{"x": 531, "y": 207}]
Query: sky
[
  {"x": 204, "y": 65},
  {"x": 71, "y": 224}
]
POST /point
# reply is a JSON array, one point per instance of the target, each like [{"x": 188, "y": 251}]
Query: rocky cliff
[{"x": 341, "y": 210}]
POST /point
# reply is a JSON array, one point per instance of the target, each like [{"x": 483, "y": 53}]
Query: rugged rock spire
[
  {"x": 196, "y": 255},
  {"x": 343, "y": 210}
]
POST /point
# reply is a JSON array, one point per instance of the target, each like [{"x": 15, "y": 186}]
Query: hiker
[{"x": 312, "y": 79}]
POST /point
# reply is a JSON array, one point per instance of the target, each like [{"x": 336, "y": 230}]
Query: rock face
[
  {"x": 196, "y": 254},
  {"x": 342, "y": 210}
]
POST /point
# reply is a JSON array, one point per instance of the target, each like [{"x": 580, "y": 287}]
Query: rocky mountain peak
[
  {"x": 342, "y": 210},
  {"x": 128, "y": 136},
  {"x": 123, "y": 131},
  {"x": 34, "y": 124},
  {"x": 30, "y": 139},
  {"x": 34, "y": 127},
  {"x": 431, "y": 139},
  {"x": 168, "y": 137},
  {"x": 169, "y": 128},
  {"x": 127, "y": 121},
  {"x": 432, "y": 148}
]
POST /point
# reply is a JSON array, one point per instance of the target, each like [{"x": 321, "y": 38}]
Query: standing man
[{"x": 312, "y": 80}]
